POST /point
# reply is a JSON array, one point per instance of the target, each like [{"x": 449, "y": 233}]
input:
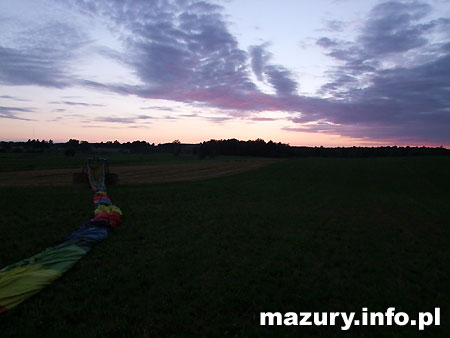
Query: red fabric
[
  {"x": 113, "y": 217},
  {"x": 102, "y": 216},
  {"x": 101, "y": 196}
]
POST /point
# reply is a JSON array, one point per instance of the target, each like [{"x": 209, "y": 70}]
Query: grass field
[
  {"x": 202, "y": 259},
  {"x": 56, "y": 160},
  {"x": 39, "y": 161}
]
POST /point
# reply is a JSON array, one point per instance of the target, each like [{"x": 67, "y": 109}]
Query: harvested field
[{"x": 137, "y": 174}]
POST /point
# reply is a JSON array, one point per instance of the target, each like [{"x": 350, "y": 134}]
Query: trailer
[{"x": 96, "y": 169}]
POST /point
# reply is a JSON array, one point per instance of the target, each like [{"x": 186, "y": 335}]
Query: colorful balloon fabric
[{"x": 24, "y": 279}]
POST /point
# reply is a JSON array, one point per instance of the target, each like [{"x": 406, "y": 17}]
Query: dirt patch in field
[{"x": 137, "y": 174}]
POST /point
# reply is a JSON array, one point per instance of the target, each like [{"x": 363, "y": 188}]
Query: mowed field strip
[{"x": 137, "y": 174}]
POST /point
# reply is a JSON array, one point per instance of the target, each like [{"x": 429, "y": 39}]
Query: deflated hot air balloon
[{"x": 24, "y": 279}]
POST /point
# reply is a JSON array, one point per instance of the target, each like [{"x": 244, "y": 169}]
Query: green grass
[
  {"x": 54, "y": 160},
  {"x": 204, "y": 258}
]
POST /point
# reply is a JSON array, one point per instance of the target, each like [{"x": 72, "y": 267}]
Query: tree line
[
  {"x": 212, "y": 148},
  {"x": 259, "y": 147}
]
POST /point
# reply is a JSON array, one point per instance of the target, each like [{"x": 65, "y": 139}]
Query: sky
[{"x": 313, "y": 73}]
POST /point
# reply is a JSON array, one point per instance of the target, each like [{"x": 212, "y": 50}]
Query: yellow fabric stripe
[
  {"x": 24, "y": 281},
  {"x": 108, "y": 209}
]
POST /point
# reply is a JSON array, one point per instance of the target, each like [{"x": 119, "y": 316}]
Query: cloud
[
  {"x": 176, "y": 45},
  {"x": 394, "y": 27},
  {"x": 395, "y": 32},
  {"x": 138, "y": 127},
  {"x": 335, "y": 25},
  {"x": 116, "y": 119},
  {"x": 144, "y": 117},
  {"x": 278, "y": 76},
  {"x": 41, "y": 55},
  {"x": 391, "y": 81},
  {"x": 123, "y": 120},
  {"x": 217, "y": 119},
  {"x": 86, "y": 125},
  {"x": 22, "y": 68},
  {"x": 71, "y": 103},
  {"x": 281, "y": 79},
  {"x": 259, "y": 59},
  {"x": 326, "y": 42},
  {"x": 11, "y": 113},
  {"x": 158, "y": 108},
  {"x": 189, "y": 115},
  {"x": 263, "y": 119},
  {"x": 13, "y": 98}
]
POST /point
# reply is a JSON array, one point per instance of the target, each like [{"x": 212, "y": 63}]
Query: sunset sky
[{"x": 325, "y": 72}]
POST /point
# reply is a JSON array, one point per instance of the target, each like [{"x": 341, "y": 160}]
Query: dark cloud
[
  {"x": 168, "y": 117},
  {"x": 189, "y": 115},
  {"x": 217, "y": 119},
  {"x": 11, "y": 113},
  {"x": 394, "y": 27},
  {"x": 281, "y": 79},
  {"x": 393, "y": 30},
  {"x": 25, "y": 68},
  {"x": 262, "y": 119},
  {"x": 183, "y": 51},
  {"x": 403, "y": 104},
  {"x": 408, "y": 100},
  {"x": 72, "y": 103},
  {"x": 86, "y": 124},
  {"x": 277, "y": 76},
  {"x": 144, "y": 117},
  {"x": 326, "y": 42},
  {"x": 138, "y": 127},
  {"x": 391, "y": 82},
  {"x": 13, "y": 98},
  {"x": 116, "y": 119},
  {"x": 176, "y": 45},
  {"x": 124, "y": 120},
  {"x": 335, "y": 25},
  {"x": 158, "y": 108},
  {"x": 259, "y": 59},
  {"x": 40, "y": 56}
]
